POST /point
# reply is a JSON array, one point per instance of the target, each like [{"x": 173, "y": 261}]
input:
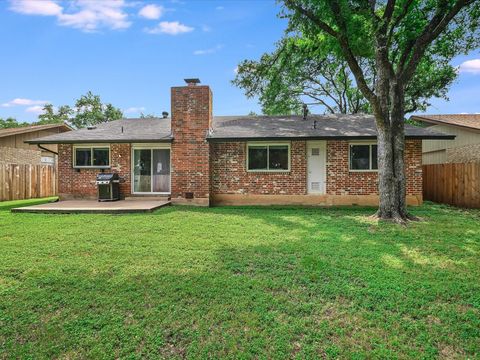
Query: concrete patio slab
[{"x": 93, "y": 206}]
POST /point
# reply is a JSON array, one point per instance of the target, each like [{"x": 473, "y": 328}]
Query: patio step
[{"x": 147, "y": 198}]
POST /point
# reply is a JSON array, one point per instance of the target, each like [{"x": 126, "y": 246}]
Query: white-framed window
[
  {"x": 91, "y": 156},
  {"x": 363, "y": 157},
  {"x": 272, "y": 157}
]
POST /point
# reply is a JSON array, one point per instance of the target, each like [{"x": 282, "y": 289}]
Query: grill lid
[{"x": 107, "y": 176}]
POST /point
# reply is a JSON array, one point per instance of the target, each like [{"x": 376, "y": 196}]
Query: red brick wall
[
  {"x": 413, "y": 167},
  {"x": 73, "y": 183},
  {"x": 229, "y": 174},
  {"x": 191, "y": 119},
  {"x": 341, "y": 181}
]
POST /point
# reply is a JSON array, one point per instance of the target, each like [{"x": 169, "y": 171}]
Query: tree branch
[
  {"x": 321, "y": 24},
  {"x": 387, "y": 15},
  {"x": 350, "y": 57},
  {"x": 412, "y": 56},
  {"x": 398, "y": 19}
]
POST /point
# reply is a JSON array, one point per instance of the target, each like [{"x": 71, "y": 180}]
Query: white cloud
[
  {"x": 471, "y": 66},
  {"x": 219, "y": 8},
  {"x": 206, "y": 28},
  {"x": 35, "y": 7},
  {"x": 86, "y": 15},
  {"x": 170, "y": 28},
  {"x": 235, "y": 71},
  {"x": 207, "y": 51},
  {"x": 24, "y": 102},
  {"x": 92, "y": 14},
  {"x": 151, "y": 11},
  {"x": 37, "y": 109},
  {"x": 134, "y": 110}
]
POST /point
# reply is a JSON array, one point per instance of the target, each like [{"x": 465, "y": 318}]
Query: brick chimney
[{"x": 191, "y": 120}]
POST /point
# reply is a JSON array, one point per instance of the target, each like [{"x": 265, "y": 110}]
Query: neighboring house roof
[
  {"x": 230, "y": 128},
  {"x": 466, "y": 121},
  {"x": 31, "y": 128}
]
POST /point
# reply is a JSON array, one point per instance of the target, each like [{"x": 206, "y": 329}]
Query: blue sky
[{"x": 131, "y": 52}]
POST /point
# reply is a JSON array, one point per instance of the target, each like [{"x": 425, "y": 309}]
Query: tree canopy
[
  {"x": 88, "y": 110},
  {"x": 313, "y": 70},
  {"x": 11, "y": 122}
]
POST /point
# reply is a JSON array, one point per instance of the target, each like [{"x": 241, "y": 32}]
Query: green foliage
[
  {"x": 300, "y": 71},
  {"x": 11, "y": 123},
  {"x": 147, "y": 116},
  {"x": 88, "y": 110},
  {"x": 310, "y": 65},
  {"x": 239, "y": 283},
  {"x": 51, "y": 115}
]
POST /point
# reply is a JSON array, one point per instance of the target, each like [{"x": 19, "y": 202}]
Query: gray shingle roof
[
  {"x": 358, "y": 126},
  {"x": 125, "y": 130},
  {"x": 230, "y": 128}
]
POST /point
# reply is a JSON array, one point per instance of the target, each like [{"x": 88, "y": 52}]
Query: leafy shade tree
[
  {"x": 11, "y": 123},
  {"x": 51, "y": 115},
  {"x": 402, "y": 39},
  {"x": 300, "y": 71},
  {"x": 88, "y": 110}
]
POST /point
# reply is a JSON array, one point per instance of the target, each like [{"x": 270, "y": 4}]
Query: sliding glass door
[{"x": 151, "y": 170}]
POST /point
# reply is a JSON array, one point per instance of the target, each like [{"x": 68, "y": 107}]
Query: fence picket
[
  {"x": 454, "y": 184},
  {"x": 26, "y": 181}
]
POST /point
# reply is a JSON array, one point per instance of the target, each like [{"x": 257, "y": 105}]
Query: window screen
[
  {"x": 83, "y": 157},
  {"x": 363, "y": 157},
  {"x": 100, "y": 157},
  {"x": 257, "y": 158},
  {"x": 278, "y": 157}
]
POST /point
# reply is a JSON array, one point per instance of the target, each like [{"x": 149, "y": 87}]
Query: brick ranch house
[{"x": 200, "y": 159}]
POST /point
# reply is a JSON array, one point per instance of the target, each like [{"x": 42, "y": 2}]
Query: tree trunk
[{"x": 391, "y": 156}]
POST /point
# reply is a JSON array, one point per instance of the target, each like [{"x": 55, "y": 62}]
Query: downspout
[{"x": 45, "y": 149}]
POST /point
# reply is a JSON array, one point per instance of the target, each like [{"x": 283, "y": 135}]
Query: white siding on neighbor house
[
  {"x": 437, "y": 151},
  {"x": 434, "y": 157}
]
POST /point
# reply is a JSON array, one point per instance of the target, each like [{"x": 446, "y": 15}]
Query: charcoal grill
[{"x": 108, "y": 187}]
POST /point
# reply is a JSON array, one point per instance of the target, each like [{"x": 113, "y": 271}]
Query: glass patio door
[{"x": 151, "y": 170}]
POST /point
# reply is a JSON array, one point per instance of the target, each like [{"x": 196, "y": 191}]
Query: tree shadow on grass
[{"x": 249, "y": 282}]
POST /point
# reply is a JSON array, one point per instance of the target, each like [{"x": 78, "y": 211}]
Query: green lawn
[{"x": 239, "y": 283}]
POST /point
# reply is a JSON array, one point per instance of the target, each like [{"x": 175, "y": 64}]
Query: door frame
[
  {"x": 323, "y": 146},
  {"x": 151, "y": 147}
]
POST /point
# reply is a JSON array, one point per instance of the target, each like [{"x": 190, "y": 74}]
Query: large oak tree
[{"x": 400, "y": 42}]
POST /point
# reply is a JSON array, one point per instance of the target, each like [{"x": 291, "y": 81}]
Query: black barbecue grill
[{"x": 108, "y": 187}]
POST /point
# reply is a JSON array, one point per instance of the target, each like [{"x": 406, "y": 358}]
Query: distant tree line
[{"x": 88, "y": 110}]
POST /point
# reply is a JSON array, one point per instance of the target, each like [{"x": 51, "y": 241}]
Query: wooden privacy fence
[
  {"x": 454, "y": 184},
  {"x": 21, "y": 181}
]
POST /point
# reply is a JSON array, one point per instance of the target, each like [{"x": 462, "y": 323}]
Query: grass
[{"x": 239, "y": 283}]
